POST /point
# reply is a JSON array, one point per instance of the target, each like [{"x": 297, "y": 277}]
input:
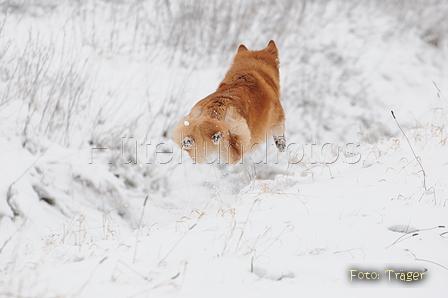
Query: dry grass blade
[
  {"x": 412, "y": 149},
  {"x": 138, "y": 228},
  {"x": 412, "y": 234},
  {"x": 177, "y": 243}
]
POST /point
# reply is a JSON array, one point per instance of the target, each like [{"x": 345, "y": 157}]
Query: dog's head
[
  {"x": 203, "y": 138},
  {"x": 269, "y": 55}
]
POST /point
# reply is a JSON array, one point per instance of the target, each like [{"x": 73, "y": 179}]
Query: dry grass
[{"x": 50, "y": 78}]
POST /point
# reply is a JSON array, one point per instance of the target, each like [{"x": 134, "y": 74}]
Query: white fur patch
[{"x": 238, "y": 125}]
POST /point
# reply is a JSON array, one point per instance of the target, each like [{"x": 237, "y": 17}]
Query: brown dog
[{"x": 240, "y": 114}]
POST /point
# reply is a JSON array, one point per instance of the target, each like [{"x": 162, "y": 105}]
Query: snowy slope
[
  {"x": 138, "y": 219},
  {"x": 301, "y": 231}
]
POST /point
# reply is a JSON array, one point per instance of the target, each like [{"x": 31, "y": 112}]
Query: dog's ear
[
  {"x": 242, "y": 48},
  {"x": 272, "y": 48},
  {"x": 187, "y": 143}
]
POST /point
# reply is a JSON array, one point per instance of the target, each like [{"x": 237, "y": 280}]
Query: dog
[{"x": 239, "y": 116}]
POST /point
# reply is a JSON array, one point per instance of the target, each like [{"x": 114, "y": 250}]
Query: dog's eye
[
  {"x": 216, "y": 137},
  {"x": 187, "y": 143}
]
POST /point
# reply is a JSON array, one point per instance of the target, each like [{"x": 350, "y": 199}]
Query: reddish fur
[{"x": 245, "y": 108}]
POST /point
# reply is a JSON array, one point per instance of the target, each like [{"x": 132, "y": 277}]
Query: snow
[{"x": 96, "y": 200}]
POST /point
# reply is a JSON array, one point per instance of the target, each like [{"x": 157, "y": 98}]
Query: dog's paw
[
  {"x": 216, "y": 137},
  {"x": 187, "y": 143},
  {"x": 280, "y": 142}
]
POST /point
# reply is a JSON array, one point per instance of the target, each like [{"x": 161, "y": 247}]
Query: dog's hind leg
[
  {"x": 278, "y": 132},
  {"x": 280, "y": 142}
]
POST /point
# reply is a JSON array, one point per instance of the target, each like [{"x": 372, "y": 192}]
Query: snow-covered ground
[{"x": 97, "y": 201}]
